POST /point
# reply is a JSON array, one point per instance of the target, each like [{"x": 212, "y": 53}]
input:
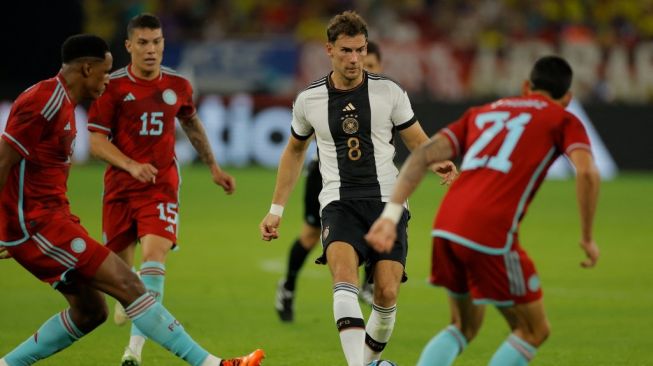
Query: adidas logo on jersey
[
  {"x": 129, "y": 97},
  {"x": 349, "y": 107},
  {"x": 170, "y": 229},
  {"x": 67, "y": 128}
]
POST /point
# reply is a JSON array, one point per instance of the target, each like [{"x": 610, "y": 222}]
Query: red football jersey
[
  {"x": 139, "y": 116},
  {"x": 507, "y": 148},
  {"x": 41, "y": 127}
]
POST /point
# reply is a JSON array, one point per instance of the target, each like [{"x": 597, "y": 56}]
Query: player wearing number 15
[
  {"x": 507, "y": 147},
  {"x": 141, "y": 184}
]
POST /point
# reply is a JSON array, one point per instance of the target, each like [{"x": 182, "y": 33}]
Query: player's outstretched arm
[
  {"x": 588, "y": 180},
  {"x": 194, "y": 129},
  {"x": 290, "y": 166},
  {"x": 105, "y": 150},
  {"x": 383, "y": 232},
  {"x": 413, "y": 137}
]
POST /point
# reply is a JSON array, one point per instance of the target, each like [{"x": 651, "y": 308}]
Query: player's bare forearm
[
  {"x": 587, "y": 193},
  {"x": 106, "y": 151},
  {"x": 197, "y": 136},
  {"x": 436, "y": 150},
  {"x": 587, "y": 190},
  {"x": 290, "y": 166}
]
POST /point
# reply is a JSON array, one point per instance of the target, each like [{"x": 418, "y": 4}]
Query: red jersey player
[
  {"x": 507, "y": 147},
  {"x": 141, "y": 184},
  {"x": 38, "y": 230}
]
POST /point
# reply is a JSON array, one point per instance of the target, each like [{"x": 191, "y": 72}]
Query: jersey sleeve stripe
[
  {"x": 16, "y": 143},
  {"x": 55, "y": 95},
  {"x": 407, "y": 124},
  {"x": 576, "y": 146},
  {"x": 298, "y": 136},
  {"x": 55, "y": 106},
  {"x": 454, "y": 140},
  {"x": 95, "y": 126}
]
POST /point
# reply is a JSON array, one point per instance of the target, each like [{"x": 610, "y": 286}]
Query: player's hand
[
  {"x": 591, "y": 251},
  {"x": 382, "y": 235},
  {"x": 4, "y": 253},
  {"x": 224, "y": 180},
  {"x": 446, "y": 170},
  {"x": 143, "y": 173},
  {"x": 269, "y": 227}
]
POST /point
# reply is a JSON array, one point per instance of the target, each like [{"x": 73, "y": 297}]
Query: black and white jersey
[{"x": 354, "y": 129}]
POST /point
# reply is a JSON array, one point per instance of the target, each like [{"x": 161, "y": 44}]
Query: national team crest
[
  {"x": 170, "y": 97},
  {"x": 78, "y": 245},
  {"x": 350, "y": 125}
]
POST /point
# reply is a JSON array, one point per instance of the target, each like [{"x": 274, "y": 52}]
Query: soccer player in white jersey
[
  {"x": 353, "y": 115},
  {"x": 311, "y": 229}
]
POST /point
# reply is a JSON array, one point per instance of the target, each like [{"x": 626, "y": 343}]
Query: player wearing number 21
[
  {"x": 507, "y": 147},
  {"x": 353, "y": 115},
  {"x": 141, "y": 184}
]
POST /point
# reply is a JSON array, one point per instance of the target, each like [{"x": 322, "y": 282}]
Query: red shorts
[
  {"x": 59, "y": 246},
  {"x": 502, "y": 280},
  {"x": 129, "y": 213},
  {"x": 126, "y": 221}
]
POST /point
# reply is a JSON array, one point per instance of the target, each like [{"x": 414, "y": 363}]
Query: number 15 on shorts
[{"x": 168, "y": 212}]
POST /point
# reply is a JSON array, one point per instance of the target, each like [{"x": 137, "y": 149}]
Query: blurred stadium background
[{"x": 248, "y": 58}]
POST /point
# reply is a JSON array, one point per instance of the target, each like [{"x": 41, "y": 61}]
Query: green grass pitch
[{"x": 221, "y": 283}]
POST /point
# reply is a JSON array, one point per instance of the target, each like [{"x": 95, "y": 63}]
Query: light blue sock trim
[
  {"x": 513, "y": 352},
  {"x": 74, "y": 331},
  {"x": 153, "y": 264},
  {"x": 462, "y": 340},
  {"x": 443, "y": 349},
  {"x": 154, "y": 284},
  {"x": 160, "y": 326},
  {"x": 530, "y": 348}
]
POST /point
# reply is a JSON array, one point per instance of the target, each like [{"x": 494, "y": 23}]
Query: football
[{"x": 381, "y": 363}]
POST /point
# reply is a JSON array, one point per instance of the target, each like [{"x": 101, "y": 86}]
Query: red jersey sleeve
[
  {"x": 101, "y": 113},
  {"x": 25, "y": 126},
  {"x": 572, "y": 135},
  {"x": 187, "y": 107},
  {"x": 456, "y": 132}
]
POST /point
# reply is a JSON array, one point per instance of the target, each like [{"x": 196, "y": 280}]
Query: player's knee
[
  {"x": 537, "y": 334},
  {"x": 100, "y": 316},
  {"x": 308, "y": 242},
  {"x": 130, "y": 287},
  {"x": 541, "y": 333},
  {"x": 385, "y": 295},
  {"x": 309, "y": 238},
  {"x": 90, "y": 318}
]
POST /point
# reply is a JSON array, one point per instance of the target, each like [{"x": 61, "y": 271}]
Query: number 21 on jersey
[
  {"x": 498, "y": 122},
  {"x": 152, "y": 124}
]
